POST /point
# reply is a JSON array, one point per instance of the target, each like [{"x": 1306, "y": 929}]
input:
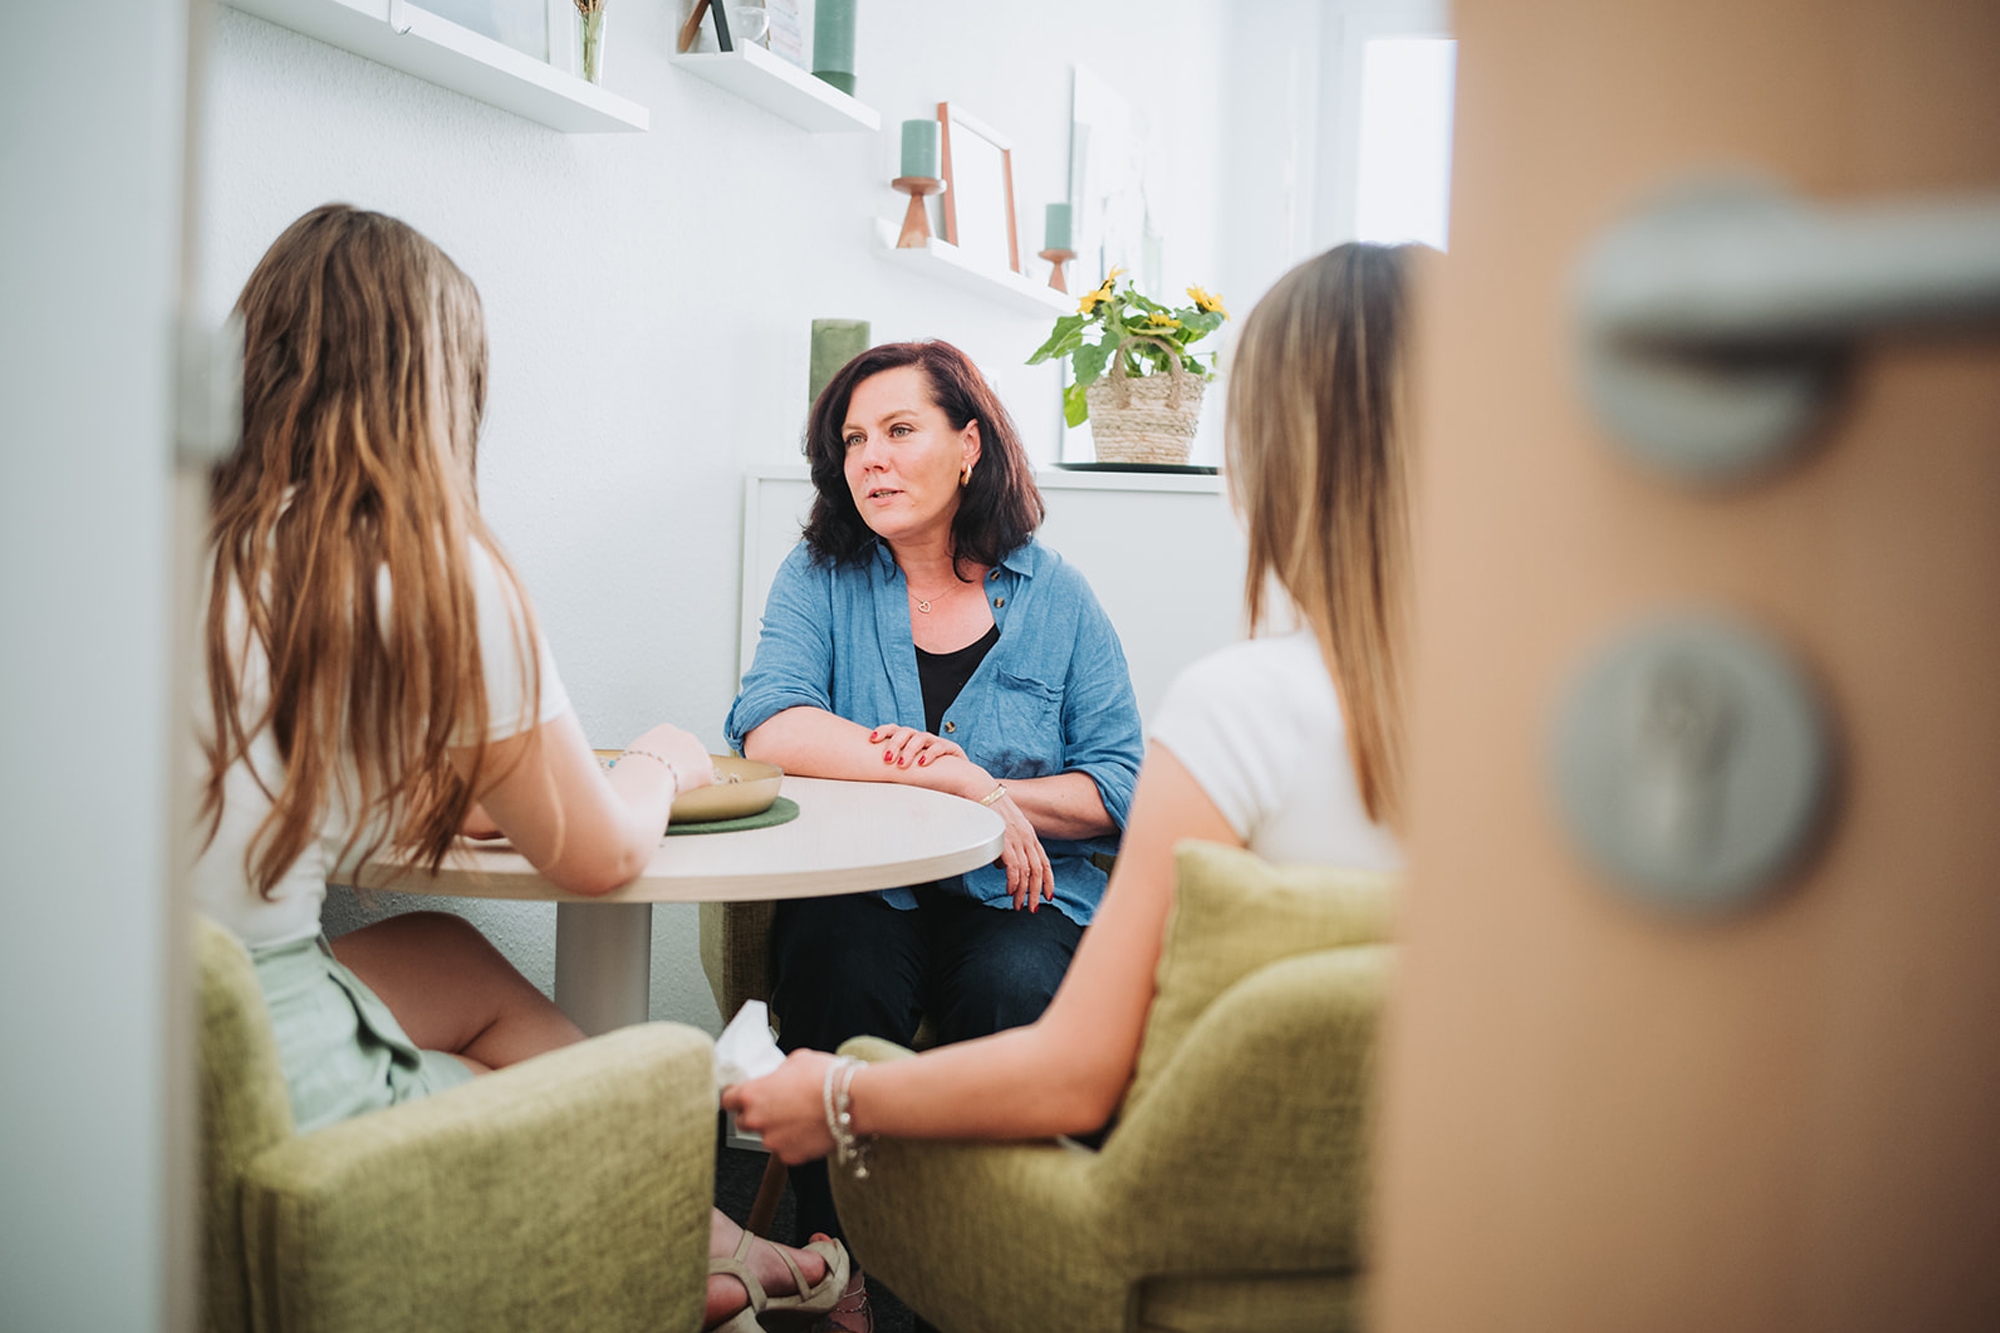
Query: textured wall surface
[{"x": 648, "y": 298}]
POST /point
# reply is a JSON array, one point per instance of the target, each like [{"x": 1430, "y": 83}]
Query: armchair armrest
[
  {"x": 1247, "y": 1158},
  {"x": 978, "y": 1236},
  {"x": 567, "y": 1192}
]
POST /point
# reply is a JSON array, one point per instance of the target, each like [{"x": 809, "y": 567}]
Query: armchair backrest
[
  {"x": 245, "y": 1108},
  {"x": 1235, "y": 912}
]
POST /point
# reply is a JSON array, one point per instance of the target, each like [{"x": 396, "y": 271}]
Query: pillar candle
[
  {"x": 835, "y": 342},
  {"x": 1055, "y": 229},
  {"x": 833, "y": 43},
  {"x": 920, "y": 148}
]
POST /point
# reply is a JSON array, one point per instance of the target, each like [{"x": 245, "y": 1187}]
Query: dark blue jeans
[{"x": 857, "y": 967}]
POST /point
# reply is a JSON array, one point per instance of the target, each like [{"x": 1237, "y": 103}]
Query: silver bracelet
[
  {"x": 661, "y": 760},
  {"x": 849, "y": 1152}
]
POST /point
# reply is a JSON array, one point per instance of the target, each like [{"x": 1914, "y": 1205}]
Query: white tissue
[{"x": 745, "y": 1049}]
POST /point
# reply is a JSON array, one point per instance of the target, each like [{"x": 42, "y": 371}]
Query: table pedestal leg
[{"x": 604, "y": 964}]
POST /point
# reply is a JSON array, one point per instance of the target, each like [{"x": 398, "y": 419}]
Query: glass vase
[{"x": 593, "y": 45}]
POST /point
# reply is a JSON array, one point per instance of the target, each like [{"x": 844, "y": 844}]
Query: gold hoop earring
[{"x": 965, "y": 478}]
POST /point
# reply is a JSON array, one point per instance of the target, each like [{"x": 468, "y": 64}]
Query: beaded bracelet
[
  {"x": 672, "y": 772},
  {"x": 849, "y": 1152}
]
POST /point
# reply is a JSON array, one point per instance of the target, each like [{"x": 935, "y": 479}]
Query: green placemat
[{"x": 782, "y": 811}]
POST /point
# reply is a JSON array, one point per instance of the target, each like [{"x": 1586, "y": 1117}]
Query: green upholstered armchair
[
  {"x": 1231, "y": 1193},
  {"x": 736, "y": 952},
  {"x": 568, "y": 1192}
]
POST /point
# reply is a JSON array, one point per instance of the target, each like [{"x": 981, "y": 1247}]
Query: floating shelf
[
  {"x": 781, "y": 88},
  {"x": 419, "y": 42},
  {"x": 948, "y": 264}
]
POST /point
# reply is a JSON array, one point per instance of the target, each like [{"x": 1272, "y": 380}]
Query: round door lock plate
[{"x": 1691, "y": 763}]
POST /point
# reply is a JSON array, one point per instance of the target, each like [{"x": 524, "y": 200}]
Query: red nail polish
[{"x": 888, "y": 758}]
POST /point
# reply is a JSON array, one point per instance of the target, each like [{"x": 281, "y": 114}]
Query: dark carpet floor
[{"x": 738, "y": 1171}]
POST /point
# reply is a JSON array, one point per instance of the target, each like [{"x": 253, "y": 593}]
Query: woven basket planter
[{"x": 1144, "y": 419}]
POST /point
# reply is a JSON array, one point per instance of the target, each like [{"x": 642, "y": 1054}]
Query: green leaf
[
  {"x": 1075, "y": 409},
  {"x": 1089, "y": 363},
  {"x": 1068, "y": 333},
  {"x": 1202, "y": 321}
]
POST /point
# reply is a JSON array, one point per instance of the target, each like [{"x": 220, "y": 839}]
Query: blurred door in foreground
[{"x": 1598, "y": 1116}]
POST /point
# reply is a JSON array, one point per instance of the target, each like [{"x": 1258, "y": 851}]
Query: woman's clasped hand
[
  {"x": 906, "y": 746},
  {"x": 1031, "y": 881}
]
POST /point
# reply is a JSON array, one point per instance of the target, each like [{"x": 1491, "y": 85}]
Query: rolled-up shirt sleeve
[
  {"x": 1100, "y": 716},
  {"x": 793, "y": 667}
]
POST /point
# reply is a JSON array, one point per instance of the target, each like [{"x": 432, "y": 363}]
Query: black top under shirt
[{"x": 943, "y": 675}]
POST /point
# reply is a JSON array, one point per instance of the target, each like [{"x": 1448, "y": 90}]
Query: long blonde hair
[
  {"x": 1317, "y": 470},
  {"x": 364, "y": 384}
]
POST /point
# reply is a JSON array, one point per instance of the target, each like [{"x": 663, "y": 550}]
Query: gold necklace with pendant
[{"x": 924, "y": 603}]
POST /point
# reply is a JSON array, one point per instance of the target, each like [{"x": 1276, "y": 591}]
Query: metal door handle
[{"x": 1715, "y": 325}]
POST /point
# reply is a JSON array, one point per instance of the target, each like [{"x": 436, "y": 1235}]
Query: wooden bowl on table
[{"x": 744, "y": 787}]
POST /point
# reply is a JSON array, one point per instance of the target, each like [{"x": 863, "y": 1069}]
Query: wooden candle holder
[
  {"x": 917, "y": 221},
  {"x": 1057, "y": 258}
]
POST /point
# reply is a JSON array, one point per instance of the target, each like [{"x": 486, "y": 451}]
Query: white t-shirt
[
  {"x": 291, "y": 912},
  {"x": 1258, "y": 725}
]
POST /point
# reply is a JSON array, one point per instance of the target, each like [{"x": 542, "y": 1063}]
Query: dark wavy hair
[{"x": 1000, "y": 507}]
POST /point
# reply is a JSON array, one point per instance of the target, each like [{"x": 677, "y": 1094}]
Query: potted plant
[{"x": 1136, "y": 383}]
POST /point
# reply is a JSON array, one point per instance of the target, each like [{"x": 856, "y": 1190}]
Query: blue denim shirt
[{"x": 1053, "y": 696}]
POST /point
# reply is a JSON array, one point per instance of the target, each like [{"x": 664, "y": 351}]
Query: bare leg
[{"x": 453, "y": 991}]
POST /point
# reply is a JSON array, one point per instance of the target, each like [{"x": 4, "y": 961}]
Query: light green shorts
[{"x": 342, "y": 1051}]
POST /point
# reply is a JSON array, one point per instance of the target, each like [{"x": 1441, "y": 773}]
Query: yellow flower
[
  {"x": 1092, "y": 300},
  {"x": 1207, "y": 302},
  {"x": 1160, "y": 319}
]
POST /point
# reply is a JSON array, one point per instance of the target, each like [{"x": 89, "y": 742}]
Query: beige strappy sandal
[
  {"x": 765, "y": 1313},
  {"x": 853, "y": 1314}
]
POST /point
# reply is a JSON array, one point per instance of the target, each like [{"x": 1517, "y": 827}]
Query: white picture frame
[{"x": 978, "y": 203}]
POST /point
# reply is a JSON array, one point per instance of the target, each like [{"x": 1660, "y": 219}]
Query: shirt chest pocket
[{"x": 1021, "y": 722}]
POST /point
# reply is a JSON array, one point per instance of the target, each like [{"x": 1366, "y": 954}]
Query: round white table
[{"x": 849, "y": 837}]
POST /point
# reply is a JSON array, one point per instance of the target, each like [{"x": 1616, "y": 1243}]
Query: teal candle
[
  {"x": 920, "y": 148},
  {"x": 1055, "y": 228},
  {"x": 833, "y": 43},
  {"x": 835, "y": 342}
]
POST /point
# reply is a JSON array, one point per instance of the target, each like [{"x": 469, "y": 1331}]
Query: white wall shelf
[
  {"x": 464, "y": 61},
  {"x": 948, "y": 264},
  {"x": 781, "y": 88}
]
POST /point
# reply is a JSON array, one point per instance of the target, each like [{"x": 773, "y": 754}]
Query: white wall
[
  {"x": 92, "y": 114},
  {"x": 648, "y": 299}
]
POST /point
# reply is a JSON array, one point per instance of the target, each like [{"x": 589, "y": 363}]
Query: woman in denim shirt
[{"x": 920, "y": 634}]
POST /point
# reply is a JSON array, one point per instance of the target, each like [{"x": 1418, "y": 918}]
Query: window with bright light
[{"x": 1403, "y": 190}]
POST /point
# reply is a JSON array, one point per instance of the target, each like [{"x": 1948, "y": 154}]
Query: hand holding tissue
[{"x": 745, "y": 1050}]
